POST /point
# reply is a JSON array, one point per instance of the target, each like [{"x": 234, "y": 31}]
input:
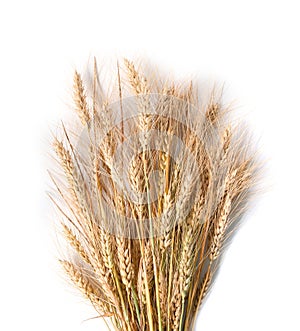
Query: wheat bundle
[{"x": 151, "y": 190}]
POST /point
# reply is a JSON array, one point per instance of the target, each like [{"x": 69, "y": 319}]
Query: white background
[{"x": 252, "y": 46}]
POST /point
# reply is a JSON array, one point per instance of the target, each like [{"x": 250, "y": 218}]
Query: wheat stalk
[{"x": 149, "y": 195}]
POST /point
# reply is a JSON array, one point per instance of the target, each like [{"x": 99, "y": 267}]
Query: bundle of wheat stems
[{"x": 152, "y": 185}]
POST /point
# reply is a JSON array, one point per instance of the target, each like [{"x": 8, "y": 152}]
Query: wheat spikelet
[
  {"x": 221, "y": 224},
  {"x": 75, "y": 243},
  {"x": 86, "y": 286},
  {"x": 125, "y": 262},
  {"x": 67, "y": 163},
  {"x": 186, "y": 263},
  {"x": 162, "y": 281},
  {"x": 151, "y": 189},
  {"x": 146, "y": 276},
  {"x": 226, "y": 140},
  {"x": 80, "y": 100},
  {"x": 176, "y": 304},
  {"x": 106, "y": 249},
  {"x": 138, "y": 83},
  {"x": 78, "y": 278}
]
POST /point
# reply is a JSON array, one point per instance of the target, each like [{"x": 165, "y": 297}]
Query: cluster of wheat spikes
[{"x": 148, "y": 201}]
